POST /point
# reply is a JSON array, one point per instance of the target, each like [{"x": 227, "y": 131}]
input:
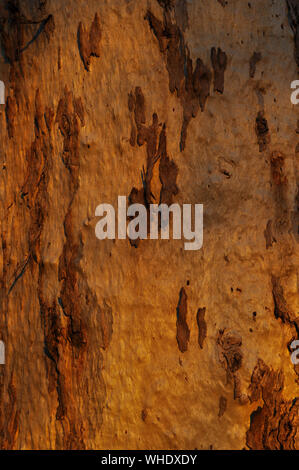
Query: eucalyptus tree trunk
[{"x": 143, "y": 344}]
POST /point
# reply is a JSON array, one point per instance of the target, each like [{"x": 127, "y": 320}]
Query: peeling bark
[
  {"x": 101, "y": 351},
  {"x": 274, "y": 425}
]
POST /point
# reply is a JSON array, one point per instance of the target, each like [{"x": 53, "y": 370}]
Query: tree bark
[{"x": 142, "y": 344}]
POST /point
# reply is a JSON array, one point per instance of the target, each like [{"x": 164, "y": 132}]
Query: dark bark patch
[
  {"x": 281, "y": 309},
  {"x": 78, "y": 303},
  {"x": 156, "y": 150},
  {"x": 190, "y": 84},
  {"x": 268, "y": 234},
  {"x": 181, "y": 14},
  {"x": 277, "y": 169},
  {"x": 262, "y": 131},
  {"x": 183, "y": 332},
  {"x": 219, "y": 63},
  {"x": 168, "y": 172},
  {"x": 89, "y": 41},
  {"x": 254, "y": 59},
  {"x": 15, "y": 31},
  {"x": 293, "y": 17},
  {"x": 230, "y": 356},
  {"x": 202, "y": 326},
  {"x": 229, "y": 344}
]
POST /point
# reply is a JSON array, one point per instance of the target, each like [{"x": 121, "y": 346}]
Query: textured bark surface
[{"x": 119, "y": 345}]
